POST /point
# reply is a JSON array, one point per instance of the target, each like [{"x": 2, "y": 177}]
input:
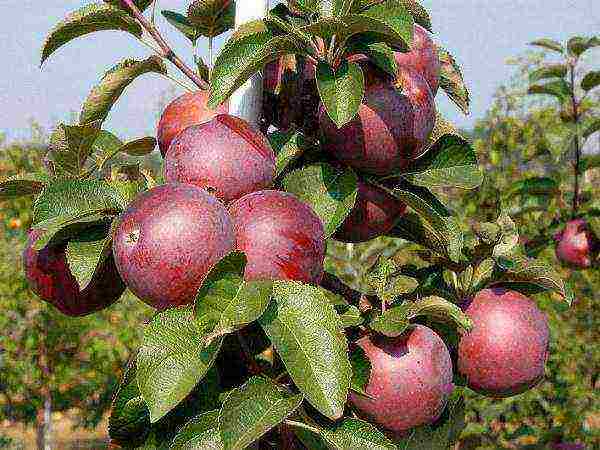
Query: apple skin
[
  {"x": 189, "y": 109},
  {"x": 390, "y": 130},
  {"x": 282, "y": 237},
  {"x": 423, "y": 58},
  {"x": 167, "y": 241},
  {"x": 374, "y": 214},
  {"x": 49, "y": 276},
  {"x": 506, "y": 351},
  {"x": 410, "y": 382},
  {"x": 225, "y": 156},
  {"x": 576, "y": 244}
]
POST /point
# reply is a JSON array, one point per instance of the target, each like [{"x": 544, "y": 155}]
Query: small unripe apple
[
  {"x": 282, "y": 237},
  {"x": 49, "y": 276},
  {"x": 374, "y": 214},
  {"x": 189, "y": 109},
  {"x": 167, "y": 241},
  {"x": 423, "y": 58},
  {"x": 225, "y": 156},
  {"x": 506, "y": 351},
  {"x": 576, "y": 245},
  {"x": 390, "y": 129},
  {"x": 410, "y": 381}
]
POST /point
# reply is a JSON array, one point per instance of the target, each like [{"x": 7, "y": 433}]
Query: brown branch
[
  {"x": 337, "y": 286},
  {"x": 166, "y": 51}
]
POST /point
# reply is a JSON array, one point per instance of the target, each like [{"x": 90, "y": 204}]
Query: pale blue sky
[{"x": 482, "y": 34}]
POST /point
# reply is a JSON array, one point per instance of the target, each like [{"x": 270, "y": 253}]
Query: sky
[{"x": 481, "y": 34}]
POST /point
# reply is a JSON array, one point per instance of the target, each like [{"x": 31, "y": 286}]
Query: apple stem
[
  {"x": 166, "y": 51},
  {"x": 247, "y": 354}
]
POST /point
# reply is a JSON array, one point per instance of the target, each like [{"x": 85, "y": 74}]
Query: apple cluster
[{"x": 219, "y": 197}]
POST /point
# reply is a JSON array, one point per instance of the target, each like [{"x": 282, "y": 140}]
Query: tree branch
[{"x": 166, "y": 51}]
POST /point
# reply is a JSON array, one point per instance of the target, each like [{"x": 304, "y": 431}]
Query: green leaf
[
  {"x": 141, "y": 4},
  {"x": 73, "y": 198},
  {"x": 288, "y": 148},
  {"x": 592, "y": 128},
  {"x": 521, "y": 270},
  {"x": 361, "y": 370},
  {"x": 379, "y": 53},
  {"x": 341, "y": 90},
  {"x": 419, "y": 13},
  {"x": 21, "y": 186},
  {"x": 212, "y": 17},
  {"x": 589, "y": 162},
  {"x": 182, "y": 24},
  {"x": 326, "y": 27},
  {"x": 452, "y": 81},
  {"x": 139, "y": 147},
  {"x": 534, "y": 186},
  {"x": 591, "y": 80},
  {"x": 200, "y": 433},
  {"x": 578, "y": 45},
  {"x": 171, "y": 360},
  {"x": 391, "y": 20},
  {"x": 450, "y": 162},
  {"x": 305, "y": 330},
  {"x": 548, "y": 44},
  {"x": 558, "y": 88},
  {"x": 509, "y": 237},
  {"x": 63, "y": 228},
  {"x": 103, "y": 97},
  {"x": 71, "y": 145},
  {"x": 549, "y": 71},
  {"x": 357, "y": 434},
  {"x": 392, "y": 323},
  {"x": 483, "y": 274},
  {"x": 252, "y": 410},
  {"x": 244, "y": 54},
  {"x": 439, "y": 309},
  {"x": 129, "y": 421},
  {"x": 86, "y": 254},
  {"x": 331, "y": 193},
  {"x": 433, "y": 229},
  {"x": 226, "y": 302},
  {"x": 349, "y": 315},
  {"x": 86, "y": 20}
]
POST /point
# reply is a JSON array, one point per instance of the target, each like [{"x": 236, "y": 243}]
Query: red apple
[
  {"x": 576, "y": 244},
  {"x": 225, "y": 156},
  {"x": 282, "y": 237},
  {"x": 410, "y": 381},
  {"x": 189, "y": 109},
  {"x": 168, "y": 239},
  {"x": 374, "y": 214},
  {"x": 505, "y": 352},
  {"x": 390, "y": 130}
]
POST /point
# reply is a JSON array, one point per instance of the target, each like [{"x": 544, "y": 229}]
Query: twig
[{"x": 166, "y": 51}]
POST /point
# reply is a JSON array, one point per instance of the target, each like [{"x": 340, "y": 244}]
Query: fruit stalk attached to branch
[{"x": 166, "y": 51}]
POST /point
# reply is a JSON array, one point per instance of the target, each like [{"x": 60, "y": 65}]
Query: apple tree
[{"x": 254, "y": 344}]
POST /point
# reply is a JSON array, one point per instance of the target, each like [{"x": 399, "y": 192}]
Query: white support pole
[{"x": 246, "y": 102}]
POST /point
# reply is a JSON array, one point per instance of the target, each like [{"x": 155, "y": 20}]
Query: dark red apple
[
  {"x": 225, "y": 156},
  {"x": 282, "y": 237},
  {"x": 50, "y": 277},
  {"x": 506, "y": 351},
  {"x": 423, "y": 58},
  {"x": 390, "y": 130},
  {"x": 167, "y": 241},
  {"x": 410, "y": 382},
  {"x": 374, "y": 214},
  {"x": 576, "y": 244},
  {"x": 189, "y": 109}
]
